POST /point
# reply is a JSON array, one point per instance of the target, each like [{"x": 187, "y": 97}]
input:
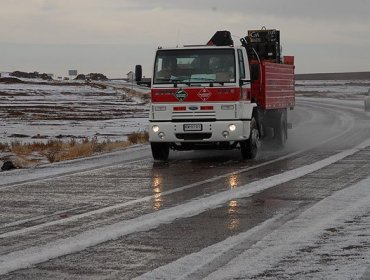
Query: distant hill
[{"x": 334, "y": 76}]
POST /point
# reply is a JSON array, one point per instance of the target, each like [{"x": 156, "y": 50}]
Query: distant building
[
  {"x": 130, "y": 76},
  {"x": 72, "y": 72}
]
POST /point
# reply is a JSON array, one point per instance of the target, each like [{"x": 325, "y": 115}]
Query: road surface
[{"x": 298, "y": 213}]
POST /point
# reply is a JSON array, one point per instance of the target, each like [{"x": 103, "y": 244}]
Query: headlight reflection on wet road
[
  {"x": 233, "y": 180},
  {"x": 233, "y": 212},
  {"x": 156, "y": 186}
]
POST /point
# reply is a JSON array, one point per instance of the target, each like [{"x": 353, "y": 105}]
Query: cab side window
[{"x": 241, "y": 64}]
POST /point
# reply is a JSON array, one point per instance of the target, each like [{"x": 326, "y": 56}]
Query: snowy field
[
  {"x": 340, "y": 89},
  {"x": 38, "y": 111}
]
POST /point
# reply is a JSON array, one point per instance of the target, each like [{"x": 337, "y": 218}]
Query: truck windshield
[{"x": 195, "y": 66}]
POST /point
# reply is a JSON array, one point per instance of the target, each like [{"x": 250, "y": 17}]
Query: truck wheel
[
  {"x": 251, "y": 147},
  {"x": 281, "y": 130},
  {"x": 160, "y": 151}
]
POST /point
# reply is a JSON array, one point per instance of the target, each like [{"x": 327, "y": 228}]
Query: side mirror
[{"x": 138, "y": 73}]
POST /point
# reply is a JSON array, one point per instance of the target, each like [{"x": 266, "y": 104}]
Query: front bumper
[{"x": 217, "y": 131}]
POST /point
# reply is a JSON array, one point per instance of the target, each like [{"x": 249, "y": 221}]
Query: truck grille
[{"x": 185, "y": 115}]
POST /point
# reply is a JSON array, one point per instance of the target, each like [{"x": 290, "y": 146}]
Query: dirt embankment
[{"x": 10, "y": 80}]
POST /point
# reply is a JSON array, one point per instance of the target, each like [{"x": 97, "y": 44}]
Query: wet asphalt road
[{"x": 123, "y": 220}]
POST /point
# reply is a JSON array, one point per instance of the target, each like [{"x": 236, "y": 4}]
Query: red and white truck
[{"x": 221, "y": 96}]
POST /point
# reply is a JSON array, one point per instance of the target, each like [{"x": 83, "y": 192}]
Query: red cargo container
[{"x": 275, "y": 89}]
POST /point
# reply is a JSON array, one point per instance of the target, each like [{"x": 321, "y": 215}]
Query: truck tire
[
  {"x": 160, "y": 151},
  {"x": 281, "y": 130},
  {"x": 250, "y": 148}
]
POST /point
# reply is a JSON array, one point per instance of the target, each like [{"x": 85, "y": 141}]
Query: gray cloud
[
  {"x": 310, "y": 9},
  {"x": 315, "y": 31}
]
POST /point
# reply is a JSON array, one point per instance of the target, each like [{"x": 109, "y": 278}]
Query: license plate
[{"x": 193, "y": 127}]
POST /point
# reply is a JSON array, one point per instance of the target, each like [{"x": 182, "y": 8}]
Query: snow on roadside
[
  {"x": 331, "y": 246},
  {"x": 353, "y": 89},
  {"x": 315, "y": 246}
]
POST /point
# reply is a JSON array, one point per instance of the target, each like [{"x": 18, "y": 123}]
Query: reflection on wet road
[{"x": 157, "y": 191}]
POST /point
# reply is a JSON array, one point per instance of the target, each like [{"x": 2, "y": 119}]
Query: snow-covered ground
[
  {"x": 352, "y": 89},
  {"x": 38, "y": 111}
]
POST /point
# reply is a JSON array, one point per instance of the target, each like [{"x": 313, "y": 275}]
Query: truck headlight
[
  {"x": 232, "y": 127},
  {"x": 155, "y": 128}
]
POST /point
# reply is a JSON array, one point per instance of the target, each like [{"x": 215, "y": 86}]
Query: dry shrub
[
  {"x": 57, "y": 150},
  {"x": 85, "y": 140},
  {"x": 96, "y": 146},
  {"x": 4, "y": 147},
  {"x": 53, "y": 148},
  {"x": 76, "y": 151},
  {"x": 110, "y": 146},
  {"x": 19, "y": 148},
  {"x": 39, "y": 146},
  {"x": 73, "y": 149},
  {"x": 72, "y": 142},
  {"x": 138, "y": 137}
]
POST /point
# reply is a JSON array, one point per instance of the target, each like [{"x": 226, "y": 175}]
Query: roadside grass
[{"x": 57, "y": 150}]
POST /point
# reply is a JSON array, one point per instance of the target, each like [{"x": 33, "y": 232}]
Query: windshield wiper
[
  {"x": 188, "y": 81},
  {"x": 174, "y": 81},
  {"x": 211, "y": 81},
  {"x": 203, "y": 79}
]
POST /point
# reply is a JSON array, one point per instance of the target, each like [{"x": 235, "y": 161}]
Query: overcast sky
[{"x": 112, "y": 36}]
